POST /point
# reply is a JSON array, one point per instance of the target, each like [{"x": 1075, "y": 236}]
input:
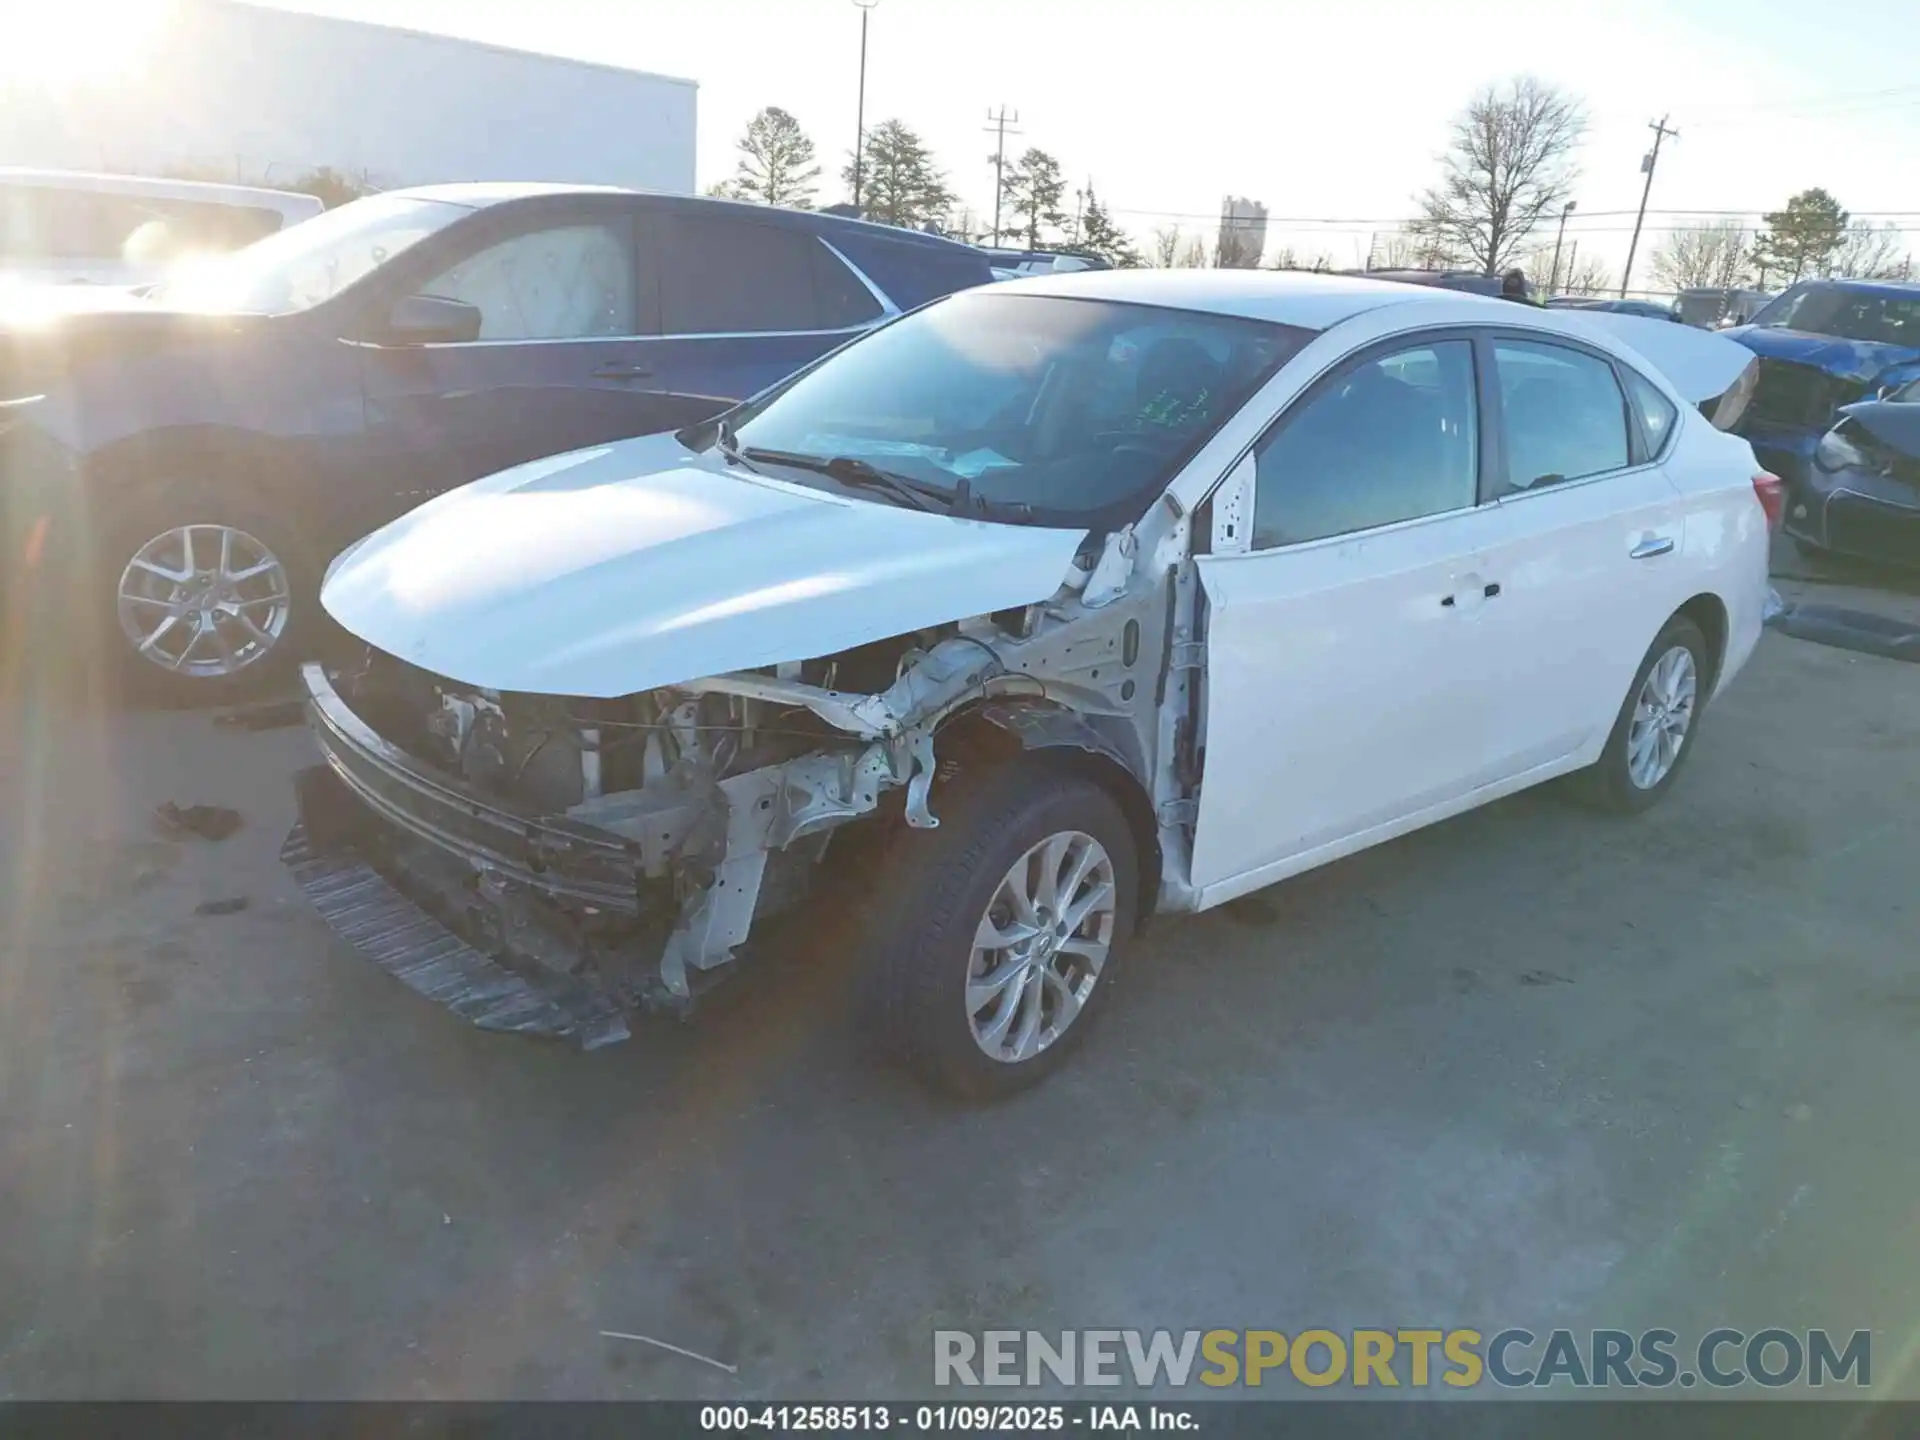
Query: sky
[{"x": 1324, "y": 112}]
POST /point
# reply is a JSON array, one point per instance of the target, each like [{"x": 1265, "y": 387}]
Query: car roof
[
  {"x": 481, "y": 193},
  {"x": 1308, "y": 299},
  {"x": 159, "y": 187},
  {"x": 1901, "y": 288}
]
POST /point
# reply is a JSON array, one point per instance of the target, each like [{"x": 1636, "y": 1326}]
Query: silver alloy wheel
[
  {"x": 1039, "y": 949},
  {"x": 1662, "y": 716},
  {"x": 204, "y": 600}
]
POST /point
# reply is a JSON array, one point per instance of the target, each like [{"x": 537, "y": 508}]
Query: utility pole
[
  {"x": 1554, "y": 279},
  {"x": 1573, "y": 261},
  {"x": 1660, "y": 132},
  {"x": 860, "y": 114},
  {"x": 997, "y": 125}
]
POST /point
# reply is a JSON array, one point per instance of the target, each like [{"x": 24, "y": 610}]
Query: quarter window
[
  {"x": 1657, "y": 413},
  {"x": 1563, "y": 413},
  {"x": 1392, "y": 439},
  {"x": 574, "y": 283}
]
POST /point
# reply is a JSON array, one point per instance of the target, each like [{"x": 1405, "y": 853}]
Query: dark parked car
[
  {"x": 1646, "y": 309},
  {"x": 1823, "y": 345},
  {"x": 190, "y": 458},
  {"x": 1471, "y": 281},
  {"x": 1862, "y": 493},
  {"x": 1715, "y": 307}
]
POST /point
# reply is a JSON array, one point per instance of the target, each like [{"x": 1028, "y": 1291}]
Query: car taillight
[{"x": 1772, "y": 496}]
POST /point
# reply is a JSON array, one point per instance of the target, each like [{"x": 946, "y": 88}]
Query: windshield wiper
[{"x": 856, "y": 474}]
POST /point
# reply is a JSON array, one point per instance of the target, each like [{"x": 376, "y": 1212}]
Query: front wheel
[
  {"x": 209, "y": 601},
  {"x": 1655, "y": 729},
  {"x": 1000, "y": 932}
]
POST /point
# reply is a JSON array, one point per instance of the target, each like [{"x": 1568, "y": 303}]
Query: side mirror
[{"x": 432, "y": 320}]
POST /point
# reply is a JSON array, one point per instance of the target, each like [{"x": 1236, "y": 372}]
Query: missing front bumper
[{"x": 368, "y": 911}]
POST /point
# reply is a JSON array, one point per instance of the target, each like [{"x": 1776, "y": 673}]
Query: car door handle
[
  {"x": 1651, "y": 546},
  {"x": 1488, "y": 591},
  {"x": 622, "y": 372}
]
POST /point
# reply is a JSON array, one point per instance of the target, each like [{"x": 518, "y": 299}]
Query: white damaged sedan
[{"x": 1039, "y": 610}]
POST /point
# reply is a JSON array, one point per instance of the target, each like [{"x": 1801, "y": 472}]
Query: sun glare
[{"x": 66, "y": 42}]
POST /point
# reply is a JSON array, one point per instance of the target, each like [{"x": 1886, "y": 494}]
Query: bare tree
[
  {"x": 1166, "y": 247},
  {"x": 1288, "y": 258},
  {"x": 1235, "y": 251},
  {"x": 1590, "y": 277},
  {"x": 1508, "y": 165},
  {"x": 1403, "y": 249},
  {"x": 1194, "y": 256},
  {"x": 1869, "y": 253},
  {"x": 1539, "y": 269},
  {"x": 1701, "y": 255}
]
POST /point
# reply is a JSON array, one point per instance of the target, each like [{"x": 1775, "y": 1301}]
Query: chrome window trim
[{"x": 887, "y": 308}]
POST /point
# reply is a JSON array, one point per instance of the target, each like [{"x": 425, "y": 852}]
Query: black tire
[
  {"x": 935, "y": 889},
  {"x": 1608, "y": 783},
  {"x": 174, "y": 506}
]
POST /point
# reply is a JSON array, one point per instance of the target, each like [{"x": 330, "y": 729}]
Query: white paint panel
[
  {"x": 1342, "y": 692},
  {"x": 622, "y": 568}
]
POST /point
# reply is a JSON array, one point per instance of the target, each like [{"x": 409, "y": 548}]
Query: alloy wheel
[
  {"x": 1662, "y": 717},
  {"x": 204, "y": 600},
  {"x": 1040, "y": 947}
]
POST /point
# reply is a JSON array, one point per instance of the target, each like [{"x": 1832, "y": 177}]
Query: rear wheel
[
  {"x": 999, "y": 934},
  {"x": 1655, "y": 729},
  {"x": 211, "y": 600}
]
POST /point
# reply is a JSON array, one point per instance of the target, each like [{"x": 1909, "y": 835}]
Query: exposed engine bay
[{"x": 632, "y": 844}]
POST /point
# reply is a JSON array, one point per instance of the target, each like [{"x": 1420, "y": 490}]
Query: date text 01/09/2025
[{"x": 991, "y": 1419}]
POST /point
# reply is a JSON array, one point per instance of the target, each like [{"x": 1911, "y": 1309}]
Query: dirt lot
[{"x": 1532, "y": 1067}]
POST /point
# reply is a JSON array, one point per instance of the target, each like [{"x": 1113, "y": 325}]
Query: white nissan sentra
[{"x": 1036, "y": 611}]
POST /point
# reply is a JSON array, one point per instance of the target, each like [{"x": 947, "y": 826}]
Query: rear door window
[
  {"x": 1563, "y": 413},
  {"x": 722, "y": 276}
]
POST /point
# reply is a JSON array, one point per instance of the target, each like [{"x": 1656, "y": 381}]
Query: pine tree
[
  {"x": 1032, "y": 193},
  {"x": 776, "y": 163},
  {"x": 899, "y": 182},
  {"x": 1801, "y": 239},
  {"x": 1100, "y": 236}
]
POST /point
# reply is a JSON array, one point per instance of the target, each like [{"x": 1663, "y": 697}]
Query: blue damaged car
[{"x": 1824, "y": 344}]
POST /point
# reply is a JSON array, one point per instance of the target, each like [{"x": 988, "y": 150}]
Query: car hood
[
  {"x": 1850, "y": 359},
  {"x": 630, "y": 566},
  {"x": 43, "y": 327}
]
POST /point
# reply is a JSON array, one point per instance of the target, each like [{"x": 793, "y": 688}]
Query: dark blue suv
[
  {"x": 1824, "y": 344},
  {"x": 179, "y": 465}
]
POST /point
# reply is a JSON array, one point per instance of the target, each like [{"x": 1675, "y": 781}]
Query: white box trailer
[{"x": 251, "y": 94}]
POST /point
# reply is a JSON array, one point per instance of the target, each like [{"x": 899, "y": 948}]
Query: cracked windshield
[{"x": 879, "y": 715}]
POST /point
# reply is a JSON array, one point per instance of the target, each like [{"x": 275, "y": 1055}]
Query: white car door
[
  {"x": 1345, "y": 674},
  {"x": 1586, "y": 538}
]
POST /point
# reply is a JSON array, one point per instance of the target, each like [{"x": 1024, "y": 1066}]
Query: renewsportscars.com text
[{"x": 1722, "y": 1358}]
